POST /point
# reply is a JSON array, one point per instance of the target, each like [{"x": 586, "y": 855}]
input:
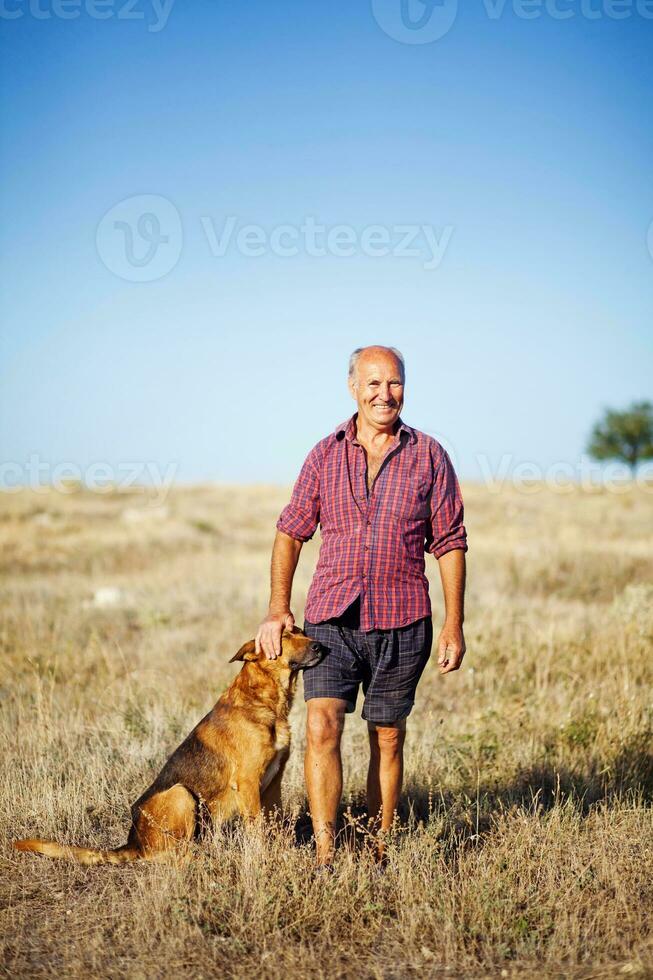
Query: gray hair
[{"x": 353, "y": 360}]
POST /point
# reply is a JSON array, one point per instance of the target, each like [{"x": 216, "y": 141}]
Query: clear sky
[{"x": 522, "y": 144}]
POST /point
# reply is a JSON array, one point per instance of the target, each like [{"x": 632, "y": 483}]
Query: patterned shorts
[{"x": 388, "y": 663}]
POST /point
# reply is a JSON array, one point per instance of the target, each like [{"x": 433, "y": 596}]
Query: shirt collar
[{"x": 347, "y": 430}]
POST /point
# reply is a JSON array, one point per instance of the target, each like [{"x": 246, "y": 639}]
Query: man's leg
[
  {"x": 323, "y": 770},
  {"x": 398, "y": 658},
  {"x": 385, "y": 775}
]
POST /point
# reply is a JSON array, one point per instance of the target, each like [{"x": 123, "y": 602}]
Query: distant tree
[{"x": 624, "y": 435}]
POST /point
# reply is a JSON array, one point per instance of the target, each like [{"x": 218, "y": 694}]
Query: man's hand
[
  {"x": 451, "y": 648},
  {"x": 268, "y": 638}
]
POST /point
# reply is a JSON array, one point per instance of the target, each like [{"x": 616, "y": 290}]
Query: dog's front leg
[{"x": 250, "y": 800}]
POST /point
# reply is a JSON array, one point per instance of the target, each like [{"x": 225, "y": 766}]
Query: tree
[{"x": 624, "y": 435}]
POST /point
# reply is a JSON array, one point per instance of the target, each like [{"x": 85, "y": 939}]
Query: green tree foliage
[{"x": 626, "y": 435}]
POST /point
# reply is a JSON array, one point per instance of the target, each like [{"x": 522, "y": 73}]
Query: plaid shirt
[{"x": 373, "y": 544}]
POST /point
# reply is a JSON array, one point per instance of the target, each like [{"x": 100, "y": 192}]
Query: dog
[{"x": 231, "y": 764}]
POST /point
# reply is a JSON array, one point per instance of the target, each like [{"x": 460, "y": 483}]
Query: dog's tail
[{"x": 82, "y": 855}]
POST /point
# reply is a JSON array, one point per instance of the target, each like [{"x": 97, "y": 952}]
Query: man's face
[{"x": 378, "y": 389}]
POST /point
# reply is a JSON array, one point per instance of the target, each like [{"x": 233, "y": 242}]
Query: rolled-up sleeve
[
  {"x": 300, "y": 518},
  {"x": 446, "y": 528}
]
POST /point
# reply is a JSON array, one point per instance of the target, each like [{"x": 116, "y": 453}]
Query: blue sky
[{"x": 524, "y": 146}]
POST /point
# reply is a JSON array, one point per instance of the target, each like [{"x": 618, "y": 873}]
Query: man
[{"x": 383, "y": 493}]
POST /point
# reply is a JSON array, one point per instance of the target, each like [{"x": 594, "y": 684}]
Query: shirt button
[{"x": 369, "y": 524}]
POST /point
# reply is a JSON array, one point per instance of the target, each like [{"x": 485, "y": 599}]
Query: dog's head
[{"x": 298, "y": 652}]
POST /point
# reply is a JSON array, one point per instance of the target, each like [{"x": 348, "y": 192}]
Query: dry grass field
[{"x": 524, "y": 846}]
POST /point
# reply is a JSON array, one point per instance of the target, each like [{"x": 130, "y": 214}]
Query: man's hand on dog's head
[{"x": 268, "y": 637}]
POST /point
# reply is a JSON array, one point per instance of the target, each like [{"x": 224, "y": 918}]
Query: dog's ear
[{"x": 246, "y": 652}]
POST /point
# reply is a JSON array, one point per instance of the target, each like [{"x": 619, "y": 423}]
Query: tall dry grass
[{"x": 524, "y": 845}]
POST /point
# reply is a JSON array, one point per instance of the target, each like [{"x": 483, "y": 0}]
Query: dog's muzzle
[{"x": 315, "y": 654}]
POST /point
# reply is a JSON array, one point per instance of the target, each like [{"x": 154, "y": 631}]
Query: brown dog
[{"x": 231, "y": 763}]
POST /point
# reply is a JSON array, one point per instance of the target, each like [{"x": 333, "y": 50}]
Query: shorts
[{"x": 388, "y": 663}]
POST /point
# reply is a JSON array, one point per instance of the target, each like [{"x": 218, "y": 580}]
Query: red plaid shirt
[{"x": 373, "y": 544}]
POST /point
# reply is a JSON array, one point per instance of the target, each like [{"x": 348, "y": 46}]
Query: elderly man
[{"x": 383, "y": 494}]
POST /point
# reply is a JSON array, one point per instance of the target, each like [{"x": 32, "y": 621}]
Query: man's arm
[
  {"x": 285, "y": 555},
  {"x": 451, "y": 642},
  {"x": 448, "y": 543},
  {"x": 297, "y": 523}
]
